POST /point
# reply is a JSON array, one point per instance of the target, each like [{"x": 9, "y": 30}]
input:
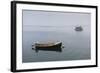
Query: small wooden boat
[
  {"x": 79, "y": 28},
  {"x": 50, "y": 46}
]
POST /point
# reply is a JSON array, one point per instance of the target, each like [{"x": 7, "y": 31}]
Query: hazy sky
[{"x": 43, "y": 19}]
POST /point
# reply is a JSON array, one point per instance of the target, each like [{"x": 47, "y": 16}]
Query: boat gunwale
[{"x": 47, "y": 45}]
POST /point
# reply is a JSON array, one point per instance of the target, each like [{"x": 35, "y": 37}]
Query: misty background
[{"x": 56, "y": 26}]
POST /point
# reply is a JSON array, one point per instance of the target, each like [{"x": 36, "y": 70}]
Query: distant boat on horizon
[{"x": 79, "y": 28}]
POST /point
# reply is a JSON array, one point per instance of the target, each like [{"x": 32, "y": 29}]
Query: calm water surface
[{"x": 76, "y": 44}]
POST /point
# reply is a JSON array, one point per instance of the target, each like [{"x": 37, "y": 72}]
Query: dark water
[{"x": 76, "y": 44}]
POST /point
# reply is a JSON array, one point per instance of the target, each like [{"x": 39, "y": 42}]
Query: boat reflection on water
[
  {"x": 51, "y": 46},
  {"x": 48, "y": 49}
]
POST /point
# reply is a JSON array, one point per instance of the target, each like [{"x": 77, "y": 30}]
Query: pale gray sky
[{"x": 55, "y": 18}]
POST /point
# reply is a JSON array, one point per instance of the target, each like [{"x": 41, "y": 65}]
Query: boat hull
[
  {"x": 56, "y": 46},
  {"x": 49, "y": 49},
  {"x": 79, "y": 28}
]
